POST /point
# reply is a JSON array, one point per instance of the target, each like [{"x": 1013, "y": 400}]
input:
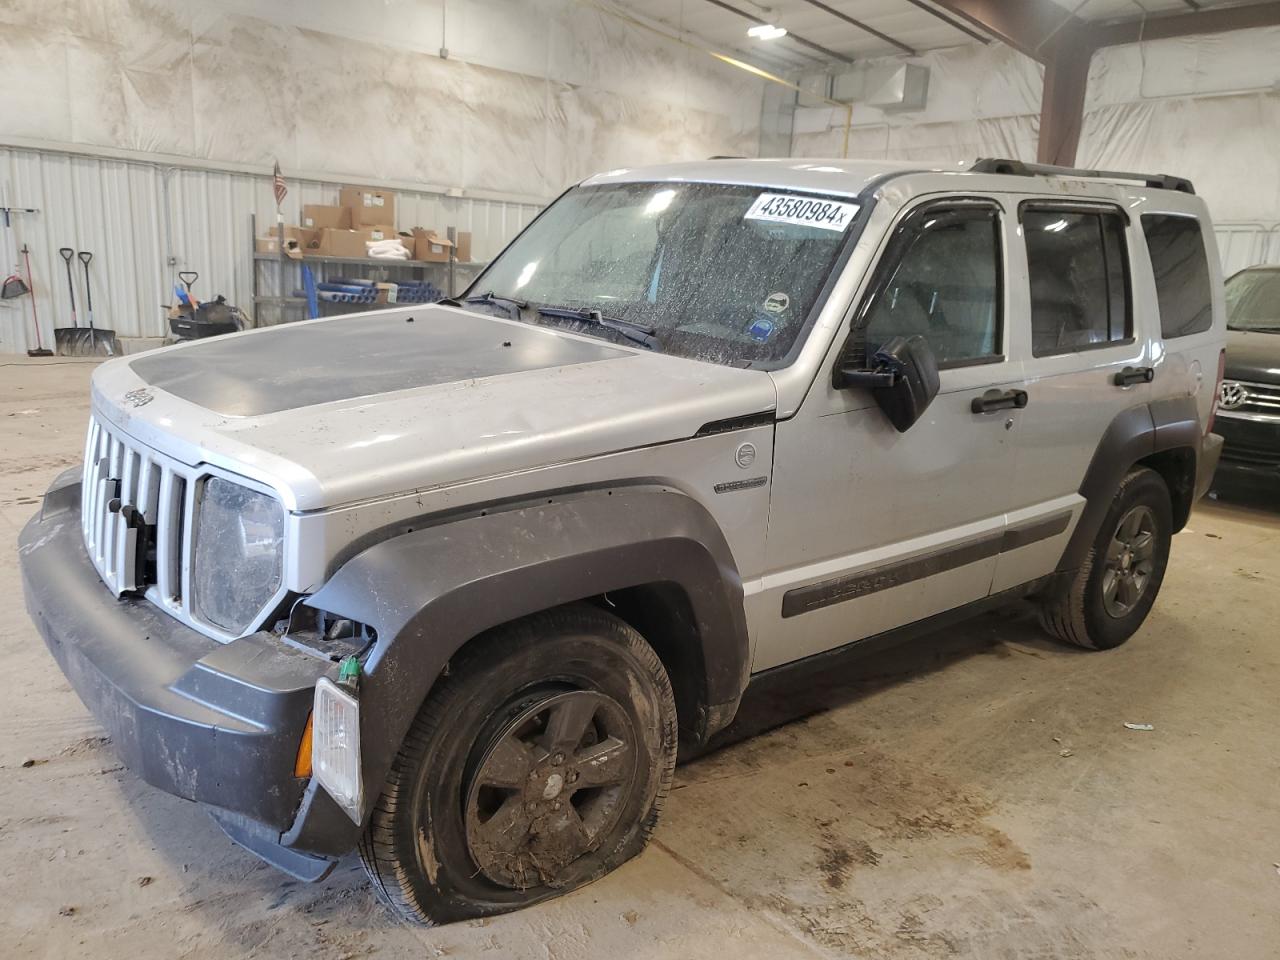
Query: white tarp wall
[
  {"x": 148, "y": 130},
  {"x": 1207, "y": 108}
]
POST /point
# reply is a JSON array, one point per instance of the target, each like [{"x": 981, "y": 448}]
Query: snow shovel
[
  {"x": 102, "y": 341},
  {"x": 75, "y": 340}
]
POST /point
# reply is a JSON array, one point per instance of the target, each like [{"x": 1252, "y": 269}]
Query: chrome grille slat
[{"x": 1261, "y": 398}]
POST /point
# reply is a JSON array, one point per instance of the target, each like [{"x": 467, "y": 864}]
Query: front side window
[
  {"x": 1181, "y": 270},
  {"x": 719, "y": 272},
  {"x": 1253, "y": 300},
  {"x": 940, "y": 279},
  {"x": 1079, "y": 277}
]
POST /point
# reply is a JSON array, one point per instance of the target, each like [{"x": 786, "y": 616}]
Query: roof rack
[{"x": 1017, "y": 168}]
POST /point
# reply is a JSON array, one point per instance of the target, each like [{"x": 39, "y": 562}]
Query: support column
[{"x": 1066, "y": 76}]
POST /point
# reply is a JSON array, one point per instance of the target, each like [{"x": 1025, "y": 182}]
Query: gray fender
[
  {"x": 1134, "y": 434},
  {"x": 429, "y": 591}
]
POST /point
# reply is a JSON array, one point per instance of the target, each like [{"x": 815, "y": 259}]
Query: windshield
[
  {"x": 728, "y": 274},
  {"x": 1253, "y": 301}
]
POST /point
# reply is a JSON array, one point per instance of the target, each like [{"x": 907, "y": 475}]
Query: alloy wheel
[
  {"x": 549, "y": 787},
  {"x": 1129, "y": 561}
]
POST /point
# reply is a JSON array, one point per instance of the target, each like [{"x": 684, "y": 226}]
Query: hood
[
  {"x": 340, "y": 410},
  {"x": 1253, "y": 357}
]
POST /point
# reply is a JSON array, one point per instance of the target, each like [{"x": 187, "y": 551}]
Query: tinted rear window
[
  {"x": 1079, "y": 279},
  {"x": 1181, "y": 270}
]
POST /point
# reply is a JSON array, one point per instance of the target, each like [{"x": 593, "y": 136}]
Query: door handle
[
  {"x": 1131, "y": 375},
  {"x": 999, "y": 400}
]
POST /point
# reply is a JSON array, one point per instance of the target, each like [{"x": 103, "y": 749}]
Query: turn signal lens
[{"x": 302, "y": 765}]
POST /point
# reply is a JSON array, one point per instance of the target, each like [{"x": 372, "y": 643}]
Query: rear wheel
[
  {"x": 1111, "y": 594},
  {"x": 539, "y": 763}
]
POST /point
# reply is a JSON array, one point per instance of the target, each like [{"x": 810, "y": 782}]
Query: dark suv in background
[{"x": 1249, "y": 402}]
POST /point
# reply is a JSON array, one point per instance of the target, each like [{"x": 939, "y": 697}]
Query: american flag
[{"x": 277, "y": 185}]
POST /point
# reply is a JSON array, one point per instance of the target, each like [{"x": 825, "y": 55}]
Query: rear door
[{"x": 1085, "y": 353}]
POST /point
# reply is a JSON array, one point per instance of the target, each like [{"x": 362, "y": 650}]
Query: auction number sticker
[{"x": 802, "y": 211}]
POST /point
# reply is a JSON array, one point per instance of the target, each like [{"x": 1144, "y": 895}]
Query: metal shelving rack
[{"x": 451, "y": 277}]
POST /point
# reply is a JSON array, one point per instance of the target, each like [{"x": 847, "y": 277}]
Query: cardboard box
[
  {"x": 378, "y": 232},
  {"x": 368, "y": 207},
  {"x": 430, "y": 247},
  {"x": 463, "y": 253},
  {"x": 342, "y": 243},
  {"x": 304, "y": 237},
  {"x": 406, "y": 239},
  {"x": 316, "y": 216},
  {"x": 386, "y": 292}
]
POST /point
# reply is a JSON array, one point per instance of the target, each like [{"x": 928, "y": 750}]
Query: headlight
[{"x": 238, "y": 554}]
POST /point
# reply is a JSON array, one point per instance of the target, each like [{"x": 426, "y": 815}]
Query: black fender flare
[
  {"x": 1135, "y": 434},
  {"x": 429, "y": 591}
]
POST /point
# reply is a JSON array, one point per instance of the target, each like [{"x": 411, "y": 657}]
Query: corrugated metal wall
[
  {"x": 1244, "y": 244},
  {"x": 133, "y": 217}
]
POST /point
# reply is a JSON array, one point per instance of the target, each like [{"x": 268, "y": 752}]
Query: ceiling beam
[
  {"x": 839, "y": 15},
  {"x": 829, "y": 54},
  {"x": 1035, "y": 28},
  {"x": 938, "y": 14},
  {"x": 1214, "y": 20}
]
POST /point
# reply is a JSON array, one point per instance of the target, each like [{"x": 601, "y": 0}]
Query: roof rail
[{"x": 1018, "y": 168}]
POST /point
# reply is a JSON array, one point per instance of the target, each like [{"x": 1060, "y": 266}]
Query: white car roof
[
  {"x": 819, "y": 174},
  {"x": 852, "y": 177}
]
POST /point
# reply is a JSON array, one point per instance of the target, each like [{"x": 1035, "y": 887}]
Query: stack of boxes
[{"x": 361, "y": 216}]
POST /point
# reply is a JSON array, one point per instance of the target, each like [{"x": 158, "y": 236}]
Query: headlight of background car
[{"x": 238, "y": 554}]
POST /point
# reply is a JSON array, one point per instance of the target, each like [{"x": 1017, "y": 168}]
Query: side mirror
[{"x": 903, "y": 379}]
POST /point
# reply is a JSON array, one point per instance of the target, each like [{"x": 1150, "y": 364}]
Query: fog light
[{"x": 335, "y": 745}]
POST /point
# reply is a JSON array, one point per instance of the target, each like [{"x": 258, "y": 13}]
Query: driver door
[{"x": 869, "y": 528}]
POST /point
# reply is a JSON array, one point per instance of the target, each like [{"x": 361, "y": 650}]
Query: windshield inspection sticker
[
  {"x": 776, "y": 302},
  {"x": 802, "y": 211},
  {"x": 761, "y": 330}
]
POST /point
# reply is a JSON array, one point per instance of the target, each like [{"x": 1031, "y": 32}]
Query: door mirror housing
[{"x": 903, "y": 379}]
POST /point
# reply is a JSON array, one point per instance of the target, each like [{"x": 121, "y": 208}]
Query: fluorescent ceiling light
[{"x": 766, "y": 31}]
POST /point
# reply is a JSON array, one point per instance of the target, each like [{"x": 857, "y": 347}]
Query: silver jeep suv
[{"x": 449, "y": 584}]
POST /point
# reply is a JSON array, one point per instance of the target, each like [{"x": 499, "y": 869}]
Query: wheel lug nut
[{"x": 558, "y": 758}]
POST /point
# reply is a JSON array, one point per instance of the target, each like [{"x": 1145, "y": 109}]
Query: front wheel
[
  {"x": 1111, "y": 594},
  {"x": 539, "y": 763}
]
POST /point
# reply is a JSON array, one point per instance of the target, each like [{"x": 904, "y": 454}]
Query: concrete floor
[{"x": 975, "y": 796}]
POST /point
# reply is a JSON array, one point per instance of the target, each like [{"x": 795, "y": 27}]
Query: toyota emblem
[{"x": 1232, "y": 395}]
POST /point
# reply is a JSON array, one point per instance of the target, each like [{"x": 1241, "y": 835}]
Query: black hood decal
[{"x": 300, "y": 365}]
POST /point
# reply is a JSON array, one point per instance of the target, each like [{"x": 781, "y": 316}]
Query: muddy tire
[
  {"x": 538, "y": 763},
  {"x": 1111, "y": 594}
]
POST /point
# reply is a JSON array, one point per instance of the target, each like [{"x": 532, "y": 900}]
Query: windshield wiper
[
  {"x": 511, "y": 305},
  {"x": 635, "y": 332}
]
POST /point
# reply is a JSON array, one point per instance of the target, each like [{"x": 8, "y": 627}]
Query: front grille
[
  {"x": 134, "y": 510},
  {"x": 1258, "y": 398},
  {"x": 1253, "y": 454}
]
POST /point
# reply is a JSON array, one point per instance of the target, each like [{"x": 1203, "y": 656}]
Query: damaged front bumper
[{"x": 217, "y": 723}]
